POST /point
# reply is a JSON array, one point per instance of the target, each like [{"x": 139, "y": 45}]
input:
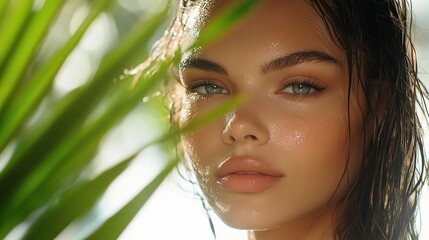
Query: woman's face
[{"x": 290, "y": 151}]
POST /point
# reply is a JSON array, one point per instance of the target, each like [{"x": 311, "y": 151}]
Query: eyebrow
[
  {"x": 202, "y": 64},
  {"x": 298, "y": 58},
  {"x": 273, "y": 65}
]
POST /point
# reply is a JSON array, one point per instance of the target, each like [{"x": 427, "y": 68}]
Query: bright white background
[{"x": 173, "y": 213}]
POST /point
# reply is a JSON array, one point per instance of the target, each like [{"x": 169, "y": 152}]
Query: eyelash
[
  {"x": 303, "y": 81},
  {"x": 200, "y": 83},
  {"x": 317, "y": 86}
]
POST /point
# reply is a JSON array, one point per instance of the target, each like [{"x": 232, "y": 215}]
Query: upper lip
[{"x": 243, "y": 165}]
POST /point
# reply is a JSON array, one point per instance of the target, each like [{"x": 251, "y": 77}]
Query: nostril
[
  {"x": 250, "y": 137},
  {"x": 232, "y": 138}
]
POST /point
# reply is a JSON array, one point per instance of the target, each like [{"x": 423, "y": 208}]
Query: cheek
[
  {"x": 203, "y": 151},
  {"x": 312, "y": 141},
  {"x": 188, "y": 109},
  {"x": 195, "y": 144},
  {"x": 316, "y": 150}
]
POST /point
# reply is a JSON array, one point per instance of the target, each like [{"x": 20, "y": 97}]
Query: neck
[{"x": 314, "y": 226}]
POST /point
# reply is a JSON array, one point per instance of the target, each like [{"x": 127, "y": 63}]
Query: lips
[{"x": 246, "y": 175}]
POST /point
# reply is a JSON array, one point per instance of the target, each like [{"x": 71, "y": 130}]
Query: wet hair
[{"x": 376, "y": 37}]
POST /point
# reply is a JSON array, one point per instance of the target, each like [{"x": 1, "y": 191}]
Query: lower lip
[{"x": 247, "y": 183}]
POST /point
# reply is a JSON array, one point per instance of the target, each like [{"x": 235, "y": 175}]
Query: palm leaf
[
  {"x": 81, "y": 196},
  {"x": 115, "y": 225},
  {"x": 47, "y": 160},
  {"x": 26, "y": 46},
  {"x": 19, "y": 11}
]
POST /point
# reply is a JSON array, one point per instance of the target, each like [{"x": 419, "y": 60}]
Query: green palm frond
[{"x": 44, "y": 151}]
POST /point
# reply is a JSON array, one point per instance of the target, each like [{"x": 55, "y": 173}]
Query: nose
[{"x": 244, "y": 128}]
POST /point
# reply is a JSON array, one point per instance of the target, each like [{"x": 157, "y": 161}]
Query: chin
[
  {"x": 248, "y": 217},
  {"x": 250, "y": 224}
]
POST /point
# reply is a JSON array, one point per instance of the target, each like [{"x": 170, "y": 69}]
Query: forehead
[{"x": 273, "y": 27}]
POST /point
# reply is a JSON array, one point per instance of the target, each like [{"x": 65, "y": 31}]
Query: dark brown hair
[{"x": 376, "y": 35}]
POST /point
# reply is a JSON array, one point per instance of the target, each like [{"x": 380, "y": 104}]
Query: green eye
[
  {"x": 209, "y": 89},
  {"x": 213, "y": 89},
  {"x": 302, "y": 89},
  {"x": 303, "y": 86},
  {"x": 299, "y": 89}
]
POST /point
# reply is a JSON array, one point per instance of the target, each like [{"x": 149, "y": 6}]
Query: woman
[{"x": 328, "y": 143}]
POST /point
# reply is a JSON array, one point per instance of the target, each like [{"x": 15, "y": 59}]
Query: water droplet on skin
[
  {"x": 222, "y": 207},
  {"x": 254, "y": 213},
  {"x": 295, "y": 135},
  {"x": 274, "y": 47}
]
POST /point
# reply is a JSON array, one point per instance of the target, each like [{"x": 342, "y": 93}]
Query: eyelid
[
  {"x": 308, "y": 81},
  {"x": 192, "y": 85},
  {"x": 202, "y": 82}
]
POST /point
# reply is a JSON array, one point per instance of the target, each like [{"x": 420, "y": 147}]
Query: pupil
[
  {"x": 301, "y": 89},
  {"x": 212, "y": 89}
]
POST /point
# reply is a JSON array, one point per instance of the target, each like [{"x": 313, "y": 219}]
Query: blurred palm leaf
[{"x": 45, "y": 162}]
